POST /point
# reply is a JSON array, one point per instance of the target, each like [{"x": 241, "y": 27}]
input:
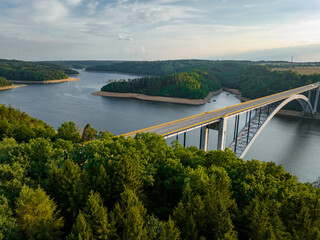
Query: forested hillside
[
  {"x": 152, "y": 68},
  {"x": 258, "y": 81},
  {"x": 32, "y": 71},
  {"x": 81, "y": 64},
  {"x": 196, "y": 85},
  {"x": 59, "y": 186},
  {"x": 252, "y": 80}
]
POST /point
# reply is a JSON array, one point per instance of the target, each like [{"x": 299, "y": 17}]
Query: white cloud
[
  {"x": 160, "y": 29},
  {"x": 124, "y": 38},
  {"x": 92, "y": 6},
  {"x": 304, "y": 31},
  {"x": 122, "y": 1},
  {"x": 49, "y": 11},
  {"x": 73, "y": 2}
]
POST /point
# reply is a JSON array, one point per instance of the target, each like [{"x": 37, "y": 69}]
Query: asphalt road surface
[{"x": 181, "y": 125}]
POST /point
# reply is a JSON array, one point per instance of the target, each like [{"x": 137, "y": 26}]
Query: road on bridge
[{"x": 181, "y": 125}]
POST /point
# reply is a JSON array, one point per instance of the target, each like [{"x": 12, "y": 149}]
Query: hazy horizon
[{"x": 160, "y": 30}]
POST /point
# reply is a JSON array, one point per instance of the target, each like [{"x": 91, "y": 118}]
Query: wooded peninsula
[
  {"x": 194, "y": 79},
  {"x": 33, "y": 71}
]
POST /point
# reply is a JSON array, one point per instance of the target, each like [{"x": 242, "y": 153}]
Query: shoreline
[
  {"x": 158, "y": 98},
  {"x": 283, "y": 112},
  {"x": 46, "y": 81},
  {"x": 124, "y": 73},
  {"x": 11, "y": 87}
]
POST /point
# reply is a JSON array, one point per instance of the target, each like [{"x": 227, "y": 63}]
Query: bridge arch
[{"x": 305, "y": 104}]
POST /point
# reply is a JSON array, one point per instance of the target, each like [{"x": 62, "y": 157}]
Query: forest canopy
[
  {"x": 32, "y": 71},
  {"x": 195, "y": 84},
  {"x": 90, "y": 185}
]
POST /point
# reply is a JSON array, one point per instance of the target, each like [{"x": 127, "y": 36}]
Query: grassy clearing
[{"x": 299, "y": 70}]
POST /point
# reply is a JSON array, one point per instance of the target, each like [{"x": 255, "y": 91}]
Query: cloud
[
  {"x": 303, "y": 31},
  {"x": 149, "y": 13},
  {"x": 49, "y": 11},
  {"x": 122, "y": 1},
  {"x": 92, "y": 6},
  {"x": 73, "y": 2},
  {"x": 124, "y": 38}
]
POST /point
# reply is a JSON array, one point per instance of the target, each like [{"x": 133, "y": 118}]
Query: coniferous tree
[
  {"x": 97, "y": 217},
  {"x": 81, "y": 230},
  {"x": 170, "y": 231},
  {"x": 130, "y": 217},
  {"x": 37, "y": 214},
  {"x": 70, "y": 187},
  {"x": 68, "y": 131},
  {"x": 88, "y": 133},
  {"x": 8, "y": 226}
]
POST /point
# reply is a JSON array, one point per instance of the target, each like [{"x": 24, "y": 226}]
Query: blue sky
[{"x": 160, "y": 29}]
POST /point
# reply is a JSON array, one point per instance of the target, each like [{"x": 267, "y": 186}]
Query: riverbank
[
  {"x": 237, "y": 93},
  {"x": 11, "y": 87},
  {"x": 158, "y": 98},
  {"x": 45, "y": 82},
  {"x": 124, "y": 73}
]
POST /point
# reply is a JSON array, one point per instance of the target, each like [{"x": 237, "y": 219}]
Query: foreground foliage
[{"x": 60, "y": 187}]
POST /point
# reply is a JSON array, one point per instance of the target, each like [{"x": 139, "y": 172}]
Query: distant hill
[
  {"x": 81, "y": 64},
  {"x": 32, "y": 71},
  {"x": 156, "y": 68}
]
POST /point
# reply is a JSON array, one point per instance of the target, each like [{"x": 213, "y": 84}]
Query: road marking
[{"x": 292, "y": 92}]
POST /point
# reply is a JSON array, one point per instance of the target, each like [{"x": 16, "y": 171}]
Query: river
[{"x": 292, "y": 142}]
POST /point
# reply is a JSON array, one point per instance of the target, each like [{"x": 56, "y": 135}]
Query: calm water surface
[{"x": 293, "y": 143}]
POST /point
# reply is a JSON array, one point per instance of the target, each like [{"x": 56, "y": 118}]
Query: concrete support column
[
  {"x": 204, "y": 136},
  {"x": 316, "y": 100},
  {"x": 309, "y": 95},
  {"x": 222, "y": 135}
]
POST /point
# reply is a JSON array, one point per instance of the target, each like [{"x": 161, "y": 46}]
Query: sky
[{"x": 160, "y": 29}]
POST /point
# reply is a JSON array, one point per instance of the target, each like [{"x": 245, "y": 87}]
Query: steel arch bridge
[{"x": 258, "y": 114}]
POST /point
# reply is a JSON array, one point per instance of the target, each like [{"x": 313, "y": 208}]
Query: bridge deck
[{"x": 181, "y": 125}]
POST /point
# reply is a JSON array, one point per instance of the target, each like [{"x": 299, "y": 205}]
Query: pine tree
[
  {"x": 69, "y": 186},
  {"x": 81, "y": 230},
  {"x": 97, "y": 217},
  {"x": 206, "y": 206},
  {"x": 88, "y": 133},
  {"x": 37, "y": 215},
  {"x": 8, "y": 225},
  {"x": 130, "y": 216},
  {"x": 102, "y": 184},
  {"x": 127, "y": 175},
  {"x": 170, "y": 231}
]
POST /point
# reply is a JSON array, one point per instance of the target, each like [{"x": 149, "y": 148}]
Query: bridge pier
[
  {"x": 316, "y": 100},
  {"x": 309, "y": 95},
  {"x": 204, "y": 137},
  {"x": 221, "y": 127},
  {"x": 222, "y": 134}
]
